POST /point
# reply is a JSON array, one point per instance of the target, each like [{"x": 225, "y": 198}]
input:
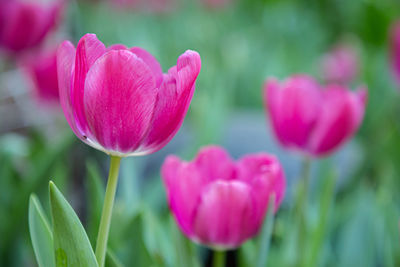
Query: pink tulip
[
  {"x": 126, "y": 3},
  {"x": 340, "y": 65},
  {"x": 155, "y": 6},
  {"x": 24, "y": 24},
  {"x": 312, "y": 119},
  {"x": 218, "y": 202},
  {"x": 118, "y": 100},
  {"x": 41, "y": 69},
  {"x": 395, "y": 50},
  {"x": 216, "y": 3}
]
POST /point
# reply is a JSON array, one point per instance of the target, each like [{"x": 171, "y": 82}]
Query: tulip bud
[
  {"x": 218, "y": 202},
  {"x": 311, "y": 119},
  {"x": 41, "y": 70},
  {"x": 24, "y": 24},
  {"x": 340, "y": 65},
  {"x": 395, "y": 50},
  {"x": 118, "y": 100},
  {"x": 216, "y": 3}
]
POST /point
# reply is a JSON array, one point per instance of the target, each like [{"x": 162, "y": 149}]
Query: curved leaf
[
  {"x": 41, "y": 236},
  {"x": 71, "y": 244}
]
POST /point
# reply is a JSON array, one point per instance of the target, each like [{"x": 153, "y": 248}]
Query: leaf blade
[
  {"x": 41, "y": 235},
  {"x": 71, "y": 244}
]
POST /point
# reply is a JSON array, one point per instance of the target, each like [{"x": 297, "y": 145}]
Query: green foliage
[
  {"x": 71, "y": 244},
  {"x": 41, "y": 234},
  {"x": 351, "y": 220}
]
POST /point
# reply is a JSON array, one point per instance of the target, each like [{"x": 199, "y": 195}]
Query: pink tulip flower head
[
  {"x": 340, "y": 65},
  {"x": 312, "y": 119},
  {"x": 24, "y": 24},
  {"x": 118, "y": 100},
  {"x": 216, "y": 3},
  {"x": 153, "y": 6},
  {"x": 41, "y": 70},
  {"x": 218, "y": 202},
  {"x": 395, "y": 50},
  {"x": 126, "y": 3}
]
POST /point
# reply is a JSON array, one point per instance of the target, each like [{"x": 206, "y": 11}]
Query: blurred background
[{"x": 241, "y": 43}]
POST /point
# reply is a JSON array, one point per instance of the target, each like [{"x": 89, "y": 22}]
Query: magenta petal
[
  {"x": 116, "y": 47},
  {"x": 395, "y": 50},
  {"x": 188, "y": 68},
  {"x": 151, "y": 62},
  {"x": 341, "y": 115},
  {"x": 183, "y": 185},
  {"x": 65, "y": 61},
  {"x": 294, "y": 107},
  {"x": 88, "y": 50},
  {"x": 173, "y": 101},
  {"x": 119, "y": 100},
  {"x": 25, "y": 24},
  {"x": 264, "y": 174},
  {"x": 215, "y": 163},
  {"x": 225, "y": 215}
]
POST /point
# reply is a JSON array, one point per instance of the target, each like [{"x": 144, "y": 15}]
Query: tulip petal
[
  {"x": 341, "y": 115},
  {"x": 151, "y": 62},
  {"x": 225, "y": 215},
  {"x": 65, "y": 61},
  {"x": 119, "y": 100},
  {"x": 183, "y": 184},
  {"x": 395, "y": 50},
  {"x": 116, "y": 47},
  {"x": 214, "y": 163},
  {"x": 294, "y": 107},
  {"x": 88, "y": 50},
  {"x": 173, "y": 101},
  {"x": 25, "y": 24},
  {"x": 264, "y": 174}
]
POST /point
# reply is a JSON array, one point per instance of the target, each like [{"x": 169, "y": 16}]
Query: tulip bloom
[
  {"x": 41, "y": 70},
  {"x": 313, "y": 120},
  {"x": 395, "y": 50},
  {"x": 218, "y": 202},
  {"x": 24, "y": 24},
  {"x": 216, "y": 3},
  {"x": 340, "y": 65},
  {"x": 155, "y": 6},
  {"x": 118, "y": 100}
]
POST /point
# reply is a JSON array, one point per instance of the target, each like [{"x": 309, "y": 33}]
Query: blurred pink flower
[
  {"x": 24, "y": 24},
  {"x": 340, "y": 65},
  {"x": 395, "y": 50},
  {"x": 218, "y": 202},
  {"x": 41, "y": 69},
  {"x": 118, "y": 100},
  {"x": 126, "y": 3},
  {"x": 155, "y": 6},
  {"x": 216, "y": 3},
  {"x": 312, "y": 119}
]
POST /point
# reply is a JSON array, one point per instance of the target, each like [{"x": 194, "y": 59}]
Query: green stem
[
  {"x": 302, "y": 209},
  {"x": 317, "y": 237},
  {"x": 102, "y": 237},
  {"x": 219, "y": 258},
  {"x": 266, "y": 233}
]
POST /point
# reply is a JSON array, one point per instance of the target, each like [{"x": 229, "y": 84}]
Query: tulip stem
[
  {"x": 266, "y": 233},
  {"x": 219, "y": 258},
  {"x": 104, "y": 229},
  {"x": 302, "y": 207}
]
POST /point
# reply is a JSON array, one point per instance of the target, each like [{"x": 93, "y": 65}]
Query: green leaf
[
  {"x": 112, "y": 260},
  {"x": 96, "y": 190},
  {"x": 266, "y": 232},
  {"x": 185, "y": 254},
  {"x": 71, "y": 244},
  {"x": 41, "y": 236},
  {"x": 156, "y": 239}
]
